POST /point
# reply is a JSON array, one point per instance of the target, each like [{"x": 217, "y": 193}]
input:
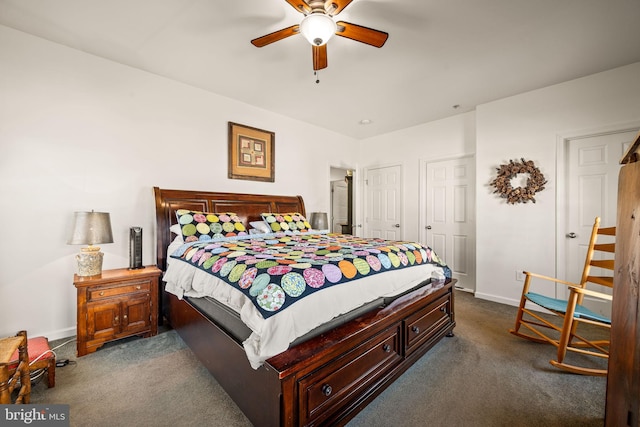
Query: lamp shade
[
  {"x": 90, "y": 228},
  {"x": 318, "y": 28},
  {"x": 319, "y": 221}
]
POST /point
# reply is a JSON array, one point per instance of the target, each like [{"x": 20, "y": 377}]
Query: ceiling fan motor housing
[
  {"x": 318, "y": 27},
  {"x": 323, "y": 6}
]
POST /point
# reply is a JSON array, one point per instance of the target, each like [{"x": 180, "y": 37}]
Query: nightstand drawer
[{"x": 125, "y": 289}]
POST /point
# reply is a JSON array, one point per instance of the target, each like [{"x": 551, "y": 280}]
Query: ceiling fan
[{"x": 318, "y": 27}]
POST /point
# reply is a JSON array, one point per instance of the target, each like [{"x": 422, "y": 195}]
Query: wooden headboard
[{"x": 247, "y": 206}]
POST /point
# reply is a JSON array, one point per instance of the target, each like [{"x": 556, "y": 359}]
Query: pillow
[
  {"x": 195, "y": 225},
  {"x": 260, "y": 226},
  {"x": 175, "y": 229},
  {"x": 292, "y": 221}
]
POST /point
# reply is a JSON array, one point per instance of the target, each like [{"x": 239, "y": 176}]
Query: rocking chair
[{"x": 562, "y": 330}]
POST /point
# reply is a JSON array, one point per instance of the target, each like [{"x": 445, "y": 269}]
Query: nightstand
[{"x": 116, "y": 304}]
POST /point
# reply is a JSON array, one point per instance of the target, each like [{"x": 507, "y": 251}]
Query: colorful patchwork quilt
[{"x": 276, "y": 270}]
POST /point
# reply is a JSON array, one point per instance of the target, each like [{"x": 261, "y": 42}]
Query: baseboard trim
[
  {"x": 497, "y": 299},
  {"x": 511, "y": 302},
  {"x": 57, "y": 334}
]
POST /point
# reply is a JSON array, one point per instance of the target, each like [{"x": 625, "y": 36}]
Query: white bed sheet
[{"x": 273, "y": 335}]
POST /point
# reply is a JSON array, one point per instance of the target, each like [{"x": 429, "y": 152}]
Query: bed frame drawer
[
  {"x": 329, "y": 388},
  {"x": 422, "y": 325}
]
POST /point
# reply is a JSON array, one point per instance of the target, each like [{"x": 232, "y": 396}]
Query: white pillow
[
  {"x": 175, "y": 229},
  {"x": 261, "y": 226}
]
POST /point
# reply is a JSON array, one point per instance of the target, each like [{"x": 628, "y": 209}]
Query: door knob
[
  {"x": 396, "y": 225},
  {"x": 572, "y": 235},
  {"x": 428, "y": 227}
]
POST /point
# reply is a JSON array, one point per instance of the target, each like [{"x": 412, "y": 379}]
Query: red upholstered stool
[{"x": 40, "y": 352}]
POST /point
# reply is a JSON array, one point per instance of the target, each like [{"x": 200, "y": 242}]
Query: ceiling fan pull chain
[{"x": 317, "y": 74}]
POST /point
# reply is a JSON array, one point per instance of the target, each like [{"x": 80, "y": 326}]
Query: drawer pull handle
[
  {"x": 138, "y": 287},
  {"x": 101, "y": 293},
  {"x": 442, "y": 309},
  {"x": 326, "y": 390},
  {"x": 386, "y": 348},
  {"x": 125, "y": 317},
  {"x": 415, "y": 329}
]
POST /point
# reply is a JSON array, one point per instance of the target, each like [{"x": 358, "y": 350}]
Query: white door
[
  {"x": 592, "y": 170},
  {"x": 450, "y": 216},
  {"x": 383, "y": 210},
  {"x": 339, "y": 205}
]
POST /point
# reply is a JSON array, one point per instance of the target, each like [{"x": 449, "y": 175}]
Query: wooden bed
[{"x": 325, "y": 380}]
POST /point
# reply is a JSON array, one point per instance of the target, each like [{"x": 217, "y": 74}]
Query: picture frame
[{"x": 251, "y": 153}]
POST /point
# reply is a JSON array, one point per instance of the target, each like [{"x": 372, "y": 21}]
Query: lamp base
[{"x": 89, "y": 262}]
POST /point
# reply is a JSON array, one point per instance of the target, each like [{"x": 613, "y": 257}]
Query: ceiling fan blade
[
  {"x": 319, "y": 57},
  {"x": 339, "y": 5},
  {"x": 275, "y": 36},
  {"x": 300, "y": 5},
  {"x": 361, "y": 34}
]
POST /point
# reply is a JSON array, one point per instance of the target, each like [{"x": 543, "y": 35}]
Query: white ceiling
[{"x": 440, "y": 53}]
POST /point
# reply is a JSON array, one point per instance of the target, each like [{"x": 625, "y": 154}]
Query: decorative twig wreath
[{"x": 502, "y": 182}]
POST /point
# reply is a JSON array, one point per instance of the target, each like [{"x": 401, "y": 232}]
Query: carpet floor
[{"x": 483, "y": 376}]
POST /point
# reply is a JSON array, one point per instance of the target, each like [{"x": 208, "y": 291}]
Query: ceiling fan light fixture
[{"x": 318, "y": 28}]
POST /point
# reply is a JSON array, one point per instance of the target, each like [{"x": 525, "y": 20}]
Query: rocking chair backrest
[
  {"x": 607, "y": 250},
  {"x": 605, "y": 261}
]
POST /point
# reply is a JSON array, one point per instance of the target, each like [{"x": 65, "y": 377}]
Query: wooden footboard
[{"x": 330, "y": 378}]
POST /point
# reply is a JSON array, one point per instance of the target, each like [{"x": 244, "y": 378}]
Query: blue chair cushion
[{"x": 560, "y": 306}]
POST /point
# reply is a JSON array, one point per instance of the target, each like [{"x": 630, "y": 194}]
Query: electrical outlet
[{"x": 519, "y": 275}]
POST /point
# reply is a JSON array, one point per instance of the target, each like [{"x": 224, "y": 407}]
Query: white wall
[
  {"x": 529, "y": 125},
  {"x": 411, "y": 147},
  {"x": 78, "y": 132},
  {"x": 510, "y": 237}
]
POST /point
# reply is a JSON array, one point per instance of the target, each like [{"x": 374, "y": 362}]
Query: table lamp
[
  {"x": 319, "y": 221},
  {"x": 90, "y": 228}
]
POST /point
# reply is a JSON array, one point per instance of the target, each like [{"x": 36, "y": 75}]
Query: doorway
[
  {"x": 341, "y": 217},
  {"x": 592, "y": 165},
  {"x": 448, "y": 215},
  {"x": 383, "y": 202}
]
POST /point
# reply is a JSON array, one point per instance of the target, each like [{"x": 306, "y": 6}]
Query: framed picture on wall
[{"x": 251, "y": 153}]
